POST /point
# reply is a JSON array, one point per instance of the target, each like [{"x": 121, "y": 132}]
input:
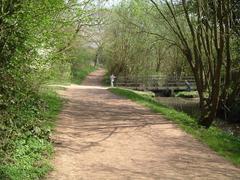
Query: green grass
[
  {"x": 78, "y": 75},
  {"x": 148, "y": 94},
  {"x": 30, "y": 151},
  {"x": 187, "y": 94},
  {"x": 223, "y": 143}
]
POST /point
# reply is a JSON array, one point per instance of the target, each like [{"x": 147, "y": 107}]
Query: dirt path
[{"x": 102, "y": 136}]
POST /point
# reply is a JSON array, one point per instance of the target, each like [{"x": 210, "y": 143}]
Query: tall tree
[{"x": 206, "y": 47}]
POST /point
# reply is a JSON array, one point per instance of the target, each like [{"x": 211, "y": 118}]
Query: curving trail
[{"x": 100, "y": 136}]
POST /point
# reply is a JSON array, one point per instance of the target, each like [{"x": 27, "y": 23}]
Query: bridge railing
[{"x": 155, "y": 82}]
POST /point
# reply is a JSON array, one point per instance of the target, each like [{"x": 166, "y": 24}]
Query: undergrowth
[
  {"x": 79, "y": 75},
  {"x": 220, "y": 141},
  {"x": 187, "y": 94},
  {"x": 25, "y": 146}
]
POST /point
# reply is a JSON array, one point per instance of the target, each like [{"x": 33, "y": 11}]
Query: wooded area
[
  {"x": 199, "y": 38},
  {"x": 58, "y": 42},
  {"x": 41, "y": 43}
]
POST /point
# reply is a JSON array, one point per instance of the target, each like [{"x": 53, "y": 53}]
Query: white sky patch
[
  {"x": 111, "y": 3},
  {"x": 104, "y": 3}
]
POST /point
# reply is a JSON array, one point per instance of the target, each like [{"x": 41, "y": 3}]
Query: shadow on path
[{"x": 102, "y": 136}]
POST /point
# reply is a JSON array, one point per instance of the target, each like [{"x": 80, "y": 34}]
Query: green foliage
[
  {"x": 29, "y": 159},
  {"x": 187, "y": 94},
  {"x": 78, "y": 75},
  {"x": 60, "y": 73},
  {"x": 223, "y": 143},
  {"x": 163, "y": 38},
  {"x": 35, "y": 41},
  {"x": 134, "y": 46},
  {"x": 81, "y": 64},
  {"x": 25, "y": 143}
]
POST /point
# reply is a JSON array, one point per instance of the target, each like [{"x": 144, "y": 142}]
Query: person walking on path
[{"x": 112, "y": 79}]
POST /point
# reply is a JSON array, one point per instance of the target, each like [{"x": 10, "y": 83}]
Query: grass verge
[
  {"x": 78, "y": 75},
  {"x": 223, "y": 143},
  {"x": 29, "y": 150},
  {"x": 187, "y": 94}
]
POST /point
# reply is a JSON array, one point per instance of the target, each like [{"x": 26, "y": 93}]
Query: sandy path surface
[{"x": 100, "y": 136}]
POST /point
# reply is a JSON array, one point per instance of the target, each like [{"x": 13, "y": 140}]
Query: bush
[
  {"x": 25, "y": 128},
  {"x": 81, "y": 64}
]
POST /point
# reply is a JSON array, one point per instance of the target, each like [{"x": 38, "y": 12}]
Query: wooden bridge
[{"x": 156, "y": 83}]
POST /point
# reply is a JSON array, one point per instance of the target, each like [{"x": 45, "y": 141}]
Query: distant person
[
  {"x": 188, "y": 85},
  {"x": 112, "y": 78}
]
